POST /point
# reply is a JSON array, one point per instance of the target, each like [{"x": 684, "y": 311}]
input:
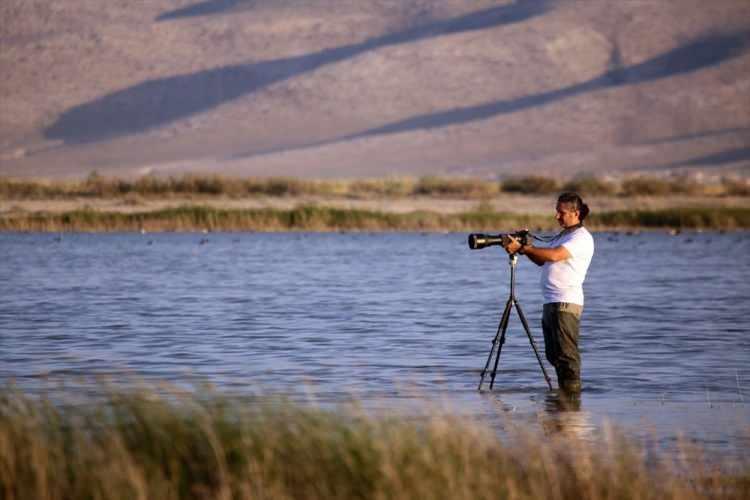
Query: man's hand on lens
[{"x": 512, "y": 246}]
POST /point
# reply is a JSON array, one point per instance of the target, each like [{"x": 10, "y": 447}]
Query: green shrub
[
  {"x": 389, "y": 187},
  {"x": 736, "y": 187},
  {"x": 455, "y": 187},
  {"x": 277, "y": 186},
  {"x": 591, "y": 186},
  {"x": 530, "y": 185},
  {"x": 644, "y": 186},
  {"x": 150, "y": 185},
  {"x": 20, "y": 189}
]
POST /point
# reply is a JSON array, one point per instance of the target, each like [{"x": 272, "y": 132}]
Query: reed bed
[
  {"x": 319, "y": 218},
  {"x": 142, "y": 444},
  {"x": 96, "y": 186}
]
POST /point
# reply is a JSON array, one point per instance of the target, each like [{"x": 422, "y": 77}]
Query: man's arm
[
  {"x": 541, "y": 255},
  {"x": 538, "y": 255}
]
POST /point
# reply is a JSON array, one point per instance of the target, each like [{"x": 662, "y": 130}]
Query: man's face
[{"x": 566, "y": 216}]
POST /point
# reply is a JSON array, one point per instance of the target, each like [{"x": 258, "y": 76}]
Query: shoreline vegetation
[
  {"x": 215, "y": 203},
  {"x": 96, "y": 185},
  {"x": 142, "y": 443},
  {"x": 323, "y": 219}
]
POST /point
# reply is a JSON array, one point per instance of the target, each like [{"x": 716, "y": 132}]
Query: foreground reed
[
  {"x": 317, "y": 218},
  {"x": 140, "y": 445}
]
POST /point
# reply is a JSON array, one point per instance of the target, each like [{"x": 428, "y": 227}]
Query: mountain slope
[{"x": 322, "y": 88}]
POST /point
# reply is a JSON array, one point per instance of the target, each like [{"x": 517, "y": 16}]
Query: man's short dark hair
[{"x": 577, "y": 202}]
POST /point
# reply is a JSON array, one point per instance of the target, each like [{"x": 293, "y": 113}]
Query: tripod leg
[
  {"x": 531, "y": 340},
  {"x": 501, "y": 329},
  {"x": 503, "y": 320}
]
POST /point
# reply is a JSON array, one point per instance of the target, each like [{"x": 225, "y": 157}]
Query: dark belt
[{"x": 575, "y": 309}]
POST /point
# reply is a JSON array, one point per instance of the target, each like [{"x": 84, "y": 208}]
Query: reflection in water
[{"x": 563, "y": 416}]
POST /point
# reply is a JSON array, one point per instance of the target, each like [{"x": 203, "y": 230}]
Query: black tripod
[{"x": 499, "y": 339}]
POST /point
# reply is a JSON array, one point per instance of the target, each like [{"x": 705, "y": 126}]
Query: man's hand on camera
[{"x": 512, "y": 246}]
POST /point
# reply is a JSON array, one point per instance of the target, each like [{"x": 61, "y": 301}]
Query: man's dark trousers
[{"x": 561, "y": 324}]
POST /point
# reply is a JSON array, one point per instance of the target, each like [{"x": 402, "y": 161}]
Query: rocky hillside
[{"x": 352, "y": 88}]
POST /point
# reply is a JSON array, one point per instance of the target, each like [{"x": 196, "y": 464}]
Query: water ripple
[{"x": 665, "y": 317}]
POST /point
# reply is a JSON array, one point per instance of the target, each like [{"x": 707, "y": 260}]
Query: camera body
[{"x": 479, "y": 240}]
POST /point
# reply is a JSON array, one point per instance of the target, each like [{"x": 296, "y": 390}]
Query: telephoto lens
[{"x": 478, "y": 240}]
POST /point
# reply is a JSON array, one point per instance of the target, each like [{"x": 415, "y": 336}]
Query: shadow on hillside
[
  {"x": 702, "y": 53},
  {"x": 157, "y": 102},
  {"x": 206, "y": 8},
  {"x": 697, "y": 135},
  {"x": 712, "y": 160}
]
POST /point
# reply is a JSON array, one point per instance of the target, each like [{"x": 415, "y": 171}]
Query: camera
[{"x": 478, "y": 240}]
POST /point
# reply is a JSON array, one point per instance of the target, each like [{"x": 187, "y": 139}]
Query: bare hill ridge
[{"x": 324, "y": 88}]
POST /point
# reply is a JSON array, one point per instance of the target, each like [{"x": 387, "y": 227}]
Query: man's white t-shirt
[{"x": 562, "y": 281}]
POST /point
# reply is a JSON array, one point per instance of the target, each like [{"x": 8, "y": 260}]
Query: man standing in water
[{"x": 565, "y": 262}]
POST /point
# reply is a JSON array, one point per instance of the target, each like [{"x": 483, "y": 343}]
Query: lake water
[{"x": 391, "y": 320}]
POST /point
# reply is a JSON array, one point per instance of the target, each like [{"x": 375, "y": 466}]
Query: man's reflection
[{"x": 562, "y": 416}]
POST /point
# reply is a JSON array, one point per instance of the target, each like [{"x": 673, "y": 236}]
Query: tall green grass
[
  {"x": 317, "y": 218},
  {"x": 143, "y": 445},
  {"x": 96, "y": 186},
  {"x": 682, "y": 218},
  {"x": 304, "y": 218}
]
